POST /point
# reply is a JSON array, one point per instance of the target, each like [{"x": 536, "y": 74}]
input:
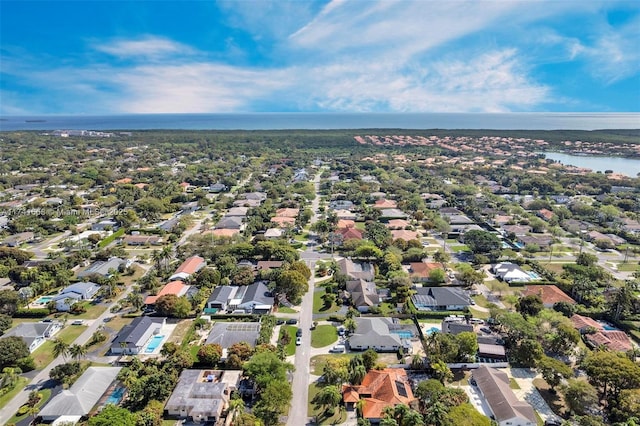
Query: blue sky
[{"x": 113, "y": 57}]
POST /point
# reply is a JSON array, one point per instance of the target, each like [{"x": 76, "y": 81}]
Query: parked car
[
  {"x": 299, "y": 333},
  {"x": 292, "y": 321},
  {"x": 337, "y": 349},
  {"x": 298, "y": 341},
  {"x": 77, "y": 322},
  {"x": 341, "y": 331},
  {"x": 485, "y": 330},
  {"x": 279, "y": 322}
]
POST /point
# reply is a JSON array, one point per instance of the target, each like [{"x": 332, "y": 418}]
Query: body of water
[
  {"x": 627, "y": 166},
  {"x": 274, "y": 121}
]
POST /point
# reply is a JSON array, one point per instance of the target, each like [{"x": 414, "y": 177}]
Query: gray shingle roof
[
  {"x": 440, "y": 296},
  {"x": 132, "y": 333},
  {"x": 494, "y": 385},
  {"x": 374, "y": 332},
  {"x": 85, "y": 393}
]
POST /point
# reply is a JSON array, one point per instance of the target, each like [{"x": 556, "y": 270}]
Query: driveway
[{"x": 528, "y": 392}]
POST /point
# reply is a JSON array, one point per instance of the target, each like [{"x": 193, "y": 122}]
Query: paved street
[{"x": 300, "y": 386}]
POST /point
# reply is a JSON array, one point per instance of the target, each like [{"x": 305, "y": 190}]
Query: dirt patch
[
  {"x": 180, "y": 331},
  {"x": 554, "y": 400}
]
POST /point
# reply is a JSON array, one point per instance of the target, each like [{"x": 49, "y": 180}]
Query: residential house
[
  {"x": 345, "y": 223},
  {"x": 345, "y": 215},
  {"x": 507, "y": 409},
  {"x": 73, "y": 293},
  {"x": 142, "y": 240},
  {"x": 287, "y": 212},
  {"x": 550, "y": 294},
  {"x": 229, "y": 222},
  {"x": 217, "y": 188},
  {"x": 420, "y": 272},
  {"x": 133, "y": 337},
  {"x": 403, "y": 234},
  {"x": 517, "y": 230},
  {"x": 385, "y": 204},
  {"x": 273, "y": 233},
  {"x": 491, "y": 352},
  {"x": 103, "y": 268},
  {"x": 456, "y": 327},
  {"x": 363, "y": 294},
  {"x": 449, "y": 211},
  {"x": 189, "y": 267},
  {"x": 397, "y": 224},
  {"x": 103, "y": 225},
  {"x": 77, "y": 402},
  {"x": 356, "y": 270},
  {"x": 390, "y": 214},
  {"x": 341, "y": 205},
  {"x": 541, "y": 240},
  {"x": 169, "y": 224},
  {"x": 34, "y": 333},
  {"x": 268, "y": 264},
  {"x": 222, "y": 233},
  {"x": 379, "y": 389},
  {"x": 510, "y": 272},
  {"x": 16, "y": 240},
  {"x": 284, "y": 222},
  {"x": 350, "y": 234},
  {"x": 596, "y": 335},
  {"x": 177, "y": 288},
  {"x": 380, "y": 334},
  {"x": 227, "y": 334},
  {"x": 440, "y": 299},
  {"x": 237, "y": 212},
  {"x": 545, "y": 214},
  {"x": 255, "y": 298},
  {"x": 202, "y": 395}
]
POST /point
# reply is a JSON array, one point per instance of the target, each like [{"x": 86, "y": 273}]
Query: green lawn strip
[
  {"x": 459, "y": 248},
  {"x": 323, "y": 335},
  {"x": 318, "y": 362},
  {"x": 478, "y": 314},
  {"x": 360, "y": 226},
  {"x": 111, "y": 238},
  {"x": 22, "y": 382},
  {"x": 93, "y": 311},
  {"x": 46, "y": 394},
  {"x": 628, "y": 267},
  {"x": 290, "y": 349},
  {"x": 286, "y": 310},
  {"x": 44, "y": 354},
  {"x": 319, "y": 306},
  {"x": 480, "y": 300},
  {"x": 339, "y": 415},
  {"x": 513, "y": 384}
]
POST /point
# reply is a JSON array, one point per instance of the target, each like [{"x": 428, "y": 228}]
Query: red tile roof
[
  {"x": 350, "y": 233},
  {"x": 550, "y": 294},
  {"x": 380, "y": 389},
  {"x": 287, "y": 212},
  {"x": 191, "y": 265},
  {"x": 403, "y": 234},
  {"x": 174, "y": 287},
  {"x": 580, "y": 322},
  {"x": 423, "y": 269},
  {"x": 385, "y": 204}
]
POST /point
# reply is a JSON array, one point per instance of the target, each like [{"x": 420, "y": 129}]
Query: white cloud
[{"x": 148, "y": 47}]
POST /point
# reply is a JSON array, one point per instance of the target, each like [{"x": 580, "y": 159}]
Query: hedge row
[{"x": 31, "y": 313}]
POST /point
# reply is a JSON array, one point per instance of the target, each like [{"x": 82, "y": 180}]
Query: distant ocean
[{"x": 284, "y": 121}]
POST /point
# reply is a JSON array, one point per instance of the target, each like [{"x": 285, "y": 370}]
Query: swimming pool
[
  {"x": 43, "y": 300},
  {"x": 533, "y": 275},
  {"x": 116, "y": 396},
  {"x": 608, "y": 327},
  {"x": 154, "y": 343},
  {"x": 404, "y": 334},
  {"x": 433, "y": 330}
]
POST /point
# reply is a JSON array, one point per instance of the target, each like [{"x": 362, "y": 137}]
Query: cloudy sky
[{"x": 111, "y": 57}]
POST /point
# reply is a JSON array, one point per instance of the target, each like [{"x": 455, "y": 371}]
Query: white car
[{"x": 298, "y": 341}]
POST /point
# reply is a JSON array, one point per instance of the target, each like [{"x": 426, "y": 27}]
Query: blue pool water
[
  {"x": 608, "y": 327},
  {"x": 533, "y": 275},
  {"x": 116, "y": 396},
  {"x": 44, "y": 300},
  {"x": 403, "y": 334},
  {"x": 154, "y": 343},
  {"x": 433, "y": 330}
]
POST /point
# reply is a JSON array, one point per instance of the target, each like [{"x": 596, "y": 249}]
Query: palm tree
[
  {"x": 436, "y": 414},
  {"x": 156, "y": 257},
  {"x": 135, "y": 299},
  {"x": 60, "y": 348},
  {"x": 236, "y": 404},
  {"x": 77, "y": 351},
  {"x": 166, "y": 254},
  {"x": 357, "y": 374},
  {"x": 328, "y": 397}
]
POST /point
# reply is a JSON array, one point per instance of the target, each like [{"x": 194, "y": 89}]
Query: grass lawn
[
  {"x": 480, "y": 300},
  {"x": 461, "y": 378},
  {"x": 323, "y": 335},
  {"x": 318, "y": 362},
  {"x": 628, "y": 267},
  {"x": 360, "y": 226},
  {"x": 22, "y": 382},
  {"x": 459, "y": 248},
  {"x": 319, "y": 306},
  {"x": 290, "y": 349},
  {"x": 321, "y": 416},
  {"x": 44, "y": 354},
  {"x": 179, "y": 332},
  {"x": 554, "y": 400},
  {"x": 553, "y": 267},
  {"x": 479, "y": 314},
  {"x": 46, "y": 394},
  {"x": 93, "y": 311},
  {"x": 286, "y": 310},
  {"x": 513, "y": 384}
]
